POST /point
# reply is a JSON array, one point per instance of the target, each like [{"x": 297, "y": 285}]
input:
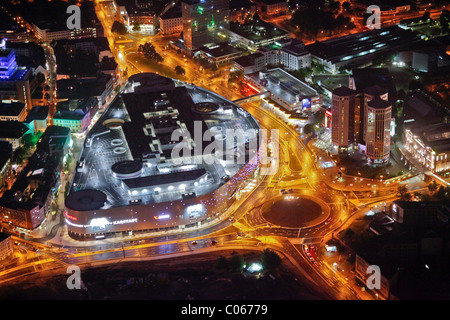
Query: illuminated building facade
[
  {"x": 6, "y": 246},
  {"x": 343, "y": 117},
  {"x": 430, "y": 145},
  {"x": 14, "y": 80},
  {"x": 130, "y": 176},
  {"x": 27, "y": 203},
  {"x": 378, "y": 114},
  {"x": 202, "y": 19}
]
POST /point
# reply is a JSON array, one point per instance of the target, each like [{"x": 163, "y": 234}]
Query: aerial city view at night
[{"x": 247, "y": 151}]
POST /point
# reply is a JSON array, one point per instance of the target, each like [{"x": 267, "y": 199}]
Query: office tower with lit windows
[
  {"x": 202, "y": 19},
  {"x": 343, "y": 117},
  {"x": 14, "y": 79},
  {"x": 378, "y": 113}
]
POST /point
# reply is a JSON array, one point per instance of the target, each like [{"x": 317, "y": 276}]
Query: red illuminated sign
[{"x": 70, "y": 217}]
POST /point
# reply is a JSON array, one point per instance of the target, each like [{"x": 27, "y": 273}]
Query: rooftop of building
[
  {"x": 343, "y": 91},
  {"x": 378, "y": 103},
  {"x": 77, "y": 114},
  {"x": 53, "y": 16},
  {"x": 258, "y": 30},
  {"x": 174, "y": 12},
  {"x": 363, "y": 45},
  {"x": 423, "y": 110},
  {"x": 248, "y": 60},
  {"x": 11, "y": 108},
  {"x": 12, "y": 129},
  {"x": 295, "y": 47},
  {"x": 364, "y": 78},
  {"x": 6, "y": 53},
  {"x": 138, "y": 127},
  {"x": 100, "y": 42},
  {"x": 38, "y": 113},
  {"x": 76, "y": 88},
  {"x": 41, "y": 166},
  {"x": 6, "y": 153},
  {"x": 285, "y": 85},
  {"x": 375, "y": 90},
  {"x": 219, "y": 50}
]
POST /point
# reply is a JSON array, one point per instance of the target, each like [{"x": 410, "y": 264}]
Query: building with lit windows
[
  {"x": 273, "y": 7},
  {"x": 12, "y": 132},
  {"x": 171, "y": 21},
  {"x": 5, "y": 164},
  {"x": 377, "y": 123},
  {"x": 27, "y": 204},
  {"x": 286, "y": 90},
  {"x": 359, "y": 49},
  {"x": 362, "y": 120},
  {"x": 143, "y": 169},
  {"x": 256, "y": 34},
  {"x": 77, "y": 121},
  {"x": 343, "y": 117},
  {"x": 11, "y": 110},
  {"x": 290, "y": 53},
  {"x": 6, "y": 246},
  {"x": 14, "y": 80},
  {"x": 429, "y": 145},
  {"x": 218, "y": 54},
  {"x": 37, "y": 119},
  {"x": 202, "y": 19},
  {"x": 48, "y": 20}
]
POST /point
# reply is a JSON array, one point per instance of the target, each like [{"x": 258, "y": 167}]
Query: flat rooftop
[
  {"x": 137, "y": 128},
  {"x": 219, "y": 50},
  {"x": 258, "y": 31},
  {"x": 363, "y": 45},
  {"x": 285, "y": 85}
]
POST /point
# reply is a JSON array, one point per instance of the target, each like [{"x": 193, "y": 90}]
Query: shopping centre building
[{"x": 143, "y": 167}]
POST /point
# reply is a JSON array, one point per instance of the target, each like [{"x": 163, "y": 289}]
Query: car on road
[
  {"x": 213, "y": 242},
  {"x": 194, "y": 242}
]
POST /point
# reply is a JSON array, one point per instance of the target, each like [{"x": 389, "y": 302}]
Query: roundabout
[{"x": 294, "y": 211}]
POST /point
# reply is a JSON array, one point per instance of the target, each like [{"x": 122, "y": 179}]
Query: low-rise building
[
  {"x": 5, "y": 164},
  {"x": 171, "y": 21},
  {"x": 429, "y": 145},
  {"x": 12, "y": 132},
  {"x": 220, "y": 53},
  {"x": 11, "y": 110},
  {"x": 286, "y": 90},
  {"x": 37, "y": 119},
  {"x": 290, "y": 53},
  {"x": 77, "y": 121},
  {"x": 27, "y": 203},
  {"x": 273, "y": 7},
  {"x": 256, "y": 34},
  {"x": 6, "y": 246},
  {"x": 250, "y": 63}
]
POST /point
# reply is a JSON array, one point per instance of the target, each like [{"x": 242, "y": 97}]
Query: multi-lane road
[{"x": 245, "y": 227}]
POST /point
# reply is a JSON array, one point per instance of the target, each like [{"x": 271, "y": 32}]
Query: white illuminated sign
[
  {"x": 194, "y": 210},
  {"x": 162, "y": 217}
]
